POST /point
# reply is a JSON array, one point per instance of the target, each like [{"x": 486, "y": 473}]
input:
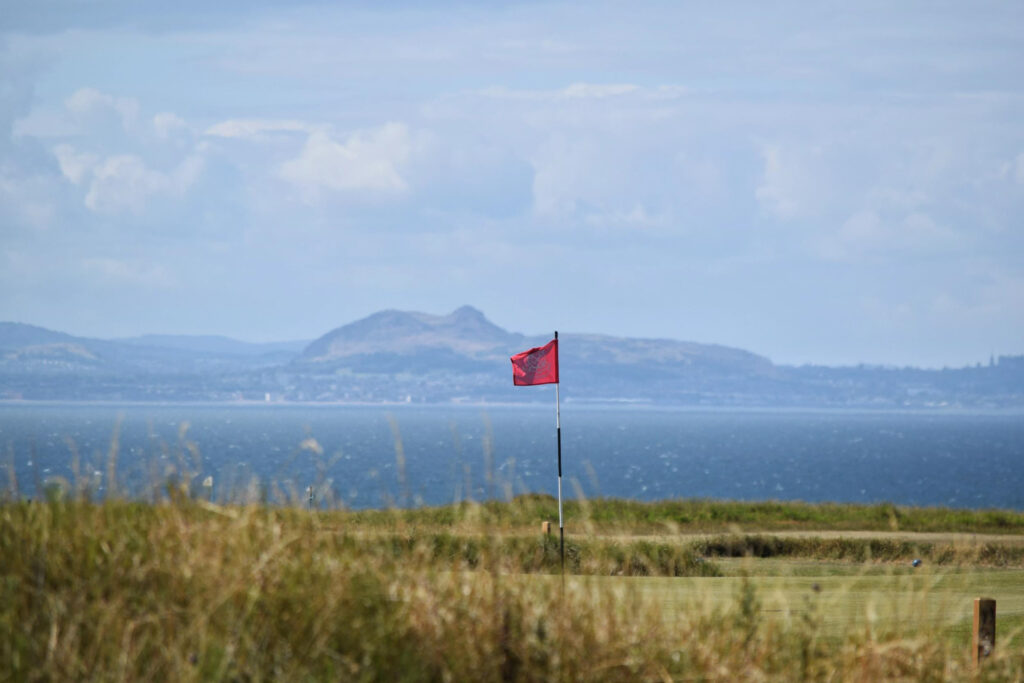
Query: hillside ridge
[{"x": 411, "y": 356}]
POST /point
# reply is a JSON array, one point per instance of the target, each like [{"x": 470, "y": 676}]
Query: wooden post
[
  {"x": 545, "y": 528},
  {"x": 984, "y": 638}
]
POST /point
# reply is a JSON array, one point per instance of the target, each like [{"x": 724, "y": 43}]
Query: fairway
[
  {"x": 944, "y": 537},
  {"x": 844, "y": 598}
]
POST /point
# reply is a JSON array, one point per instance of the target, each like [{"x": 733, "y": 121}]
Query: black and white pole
[{"x": 558, "y": 433}]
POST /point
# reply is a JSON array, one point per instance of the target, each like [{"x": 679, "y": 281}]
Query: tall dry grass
[{"x": 185, "y": 590}]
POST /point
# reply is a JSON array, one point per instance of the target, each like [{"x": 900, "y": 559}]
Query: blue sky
[{"x": 826, "y": 182}]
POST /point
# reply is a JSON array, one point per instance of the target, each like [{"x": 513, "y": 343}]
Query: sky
[{"x": 831, "y": 183}]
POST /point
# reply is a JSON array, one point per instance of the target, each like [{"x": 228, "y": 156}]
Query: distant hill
[
  {"x": 27, "y": 351},
  {"x": 410, "y": 356},
  {"x": 215, "y": 344},
  {"x": 18, "y": 335},
  {"x": 465, "y": 331},
  {"x": 466, "y": 345}
]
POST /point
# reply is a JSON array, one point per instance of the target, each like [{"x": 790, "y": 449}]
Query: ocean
[{"x": 378, "y": 456}]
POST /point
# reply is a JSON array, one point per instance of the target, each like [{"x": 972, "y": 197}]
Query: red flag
[{"x": 536, "y": 366}]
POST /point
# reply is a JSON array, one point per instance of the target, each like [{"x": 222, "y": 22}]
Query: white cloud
[
  {"x": 124, "y": 183},
  {"x": 791, "y": 181},
  {"x": 89, "y": 101},
  {"x": 98, "y": 116},
  {"x": 86, "y": 112},
  {"x": 639, "y": 178},
  {"x": 75, "y": 166},
  {"x": 165, "y": 123},
  {"x": 867, "y": 234},
  {"x": 255, "y": 128},
  {"x": 597, "y": 90},
  {"x": 366, "y": 160}
]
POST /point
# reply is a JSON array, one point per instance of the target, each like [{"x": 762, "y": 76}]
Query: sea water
[{"x": 376, "y": 456}]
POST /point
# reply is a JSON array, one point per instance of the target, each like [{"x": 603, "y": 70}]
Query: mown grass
[
  {"x": 861, "y": 550},
  {"x": 187, "y": 590}
]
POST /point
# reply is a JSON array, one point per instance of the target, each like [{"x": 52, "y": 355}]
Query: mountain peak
[
  {"x": 464, "y": 330},
  {"x": 467, "y": 312}
]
